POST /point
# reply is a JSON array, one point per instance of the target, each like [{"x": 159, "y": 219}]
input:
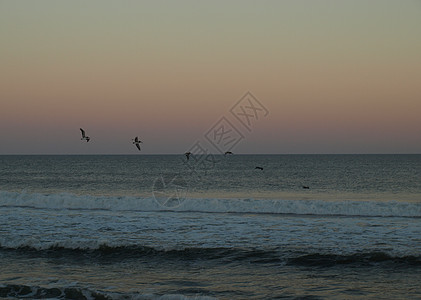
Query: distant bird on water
[
  {"x": 84, "y": 136},
  {"x": 260, "y": 168},
  {"x": 305, "y": 187},
  {"x": 137, "y": 142},
  {"x": 228, "y": 153},
  {"x": 187, "y": 154}
]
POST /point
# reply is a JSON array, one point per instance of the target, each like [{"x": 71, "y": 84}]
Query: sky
[{"x": 264, "y": 77}]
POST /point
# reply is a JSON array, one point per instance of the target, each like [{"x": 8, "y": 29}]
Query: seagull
[
  {"x": 228, "y": 152},
  {"x": 136, "y": 142},
  {"x": 84, "y": 136},
  {"x": 187, "y": 154},
  {"x": 260, "y": 168}
]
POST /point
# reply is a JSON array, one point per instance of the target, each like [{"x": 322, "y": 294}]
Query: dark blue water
[{"x": 151, "y": 227}]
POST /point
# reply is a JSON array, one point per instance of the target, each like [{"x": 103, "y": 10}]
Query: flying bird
[
  {"x": 187, "y": 154},
  {"x": 260, "y": 168},
  {"x": 84, "y": 136},
  {"x": 137, "y": 142}
]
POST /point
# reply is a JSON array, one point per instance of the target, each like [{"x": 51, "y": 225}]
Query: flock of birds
[{"x": 137, "y": 143}]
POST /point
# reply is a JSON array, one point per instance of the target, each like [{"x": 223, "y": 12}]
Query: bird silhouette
[
  {"x": 84, "y": 136},
  {"x": 137, "y": 142}
]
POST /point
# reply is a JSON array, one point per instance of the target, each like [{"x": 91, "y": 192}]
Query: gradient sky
[{"x": 335, "y": 76}]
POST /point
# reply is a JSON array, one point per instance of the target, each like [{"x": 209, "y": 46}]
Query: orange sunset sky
[{"x": 334, "y": 76}]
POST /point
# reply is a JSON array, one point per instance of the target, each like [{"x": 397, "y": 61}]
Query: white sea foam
[
  {"x": 213, "y": 205},
  {"x": 72, "y": 292}
]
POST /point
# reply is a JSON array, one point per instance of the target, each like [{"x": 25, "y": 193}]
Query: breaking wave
[
  {"x": 216, "y": 255},
  {"x": 211, "y": 205}
]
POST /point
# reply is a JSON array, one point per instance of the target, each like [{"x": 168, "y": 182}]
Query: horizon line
[{"x": 159, "y": 154}]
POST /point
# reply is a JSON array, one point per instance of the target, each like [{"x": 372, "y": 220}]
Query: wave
[
  {"x": 213, "y": 205},
  {"x": 11, "y": 291},
  {"x": 109, "y": 254}
]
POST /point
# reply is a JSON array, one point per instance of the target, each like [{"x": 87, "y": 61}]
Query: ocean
[{"x": 211, "y": 227}]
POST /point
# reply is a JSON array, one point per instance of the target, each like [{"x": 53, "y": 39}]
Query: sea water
[{"x": 214, "y": 227}]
